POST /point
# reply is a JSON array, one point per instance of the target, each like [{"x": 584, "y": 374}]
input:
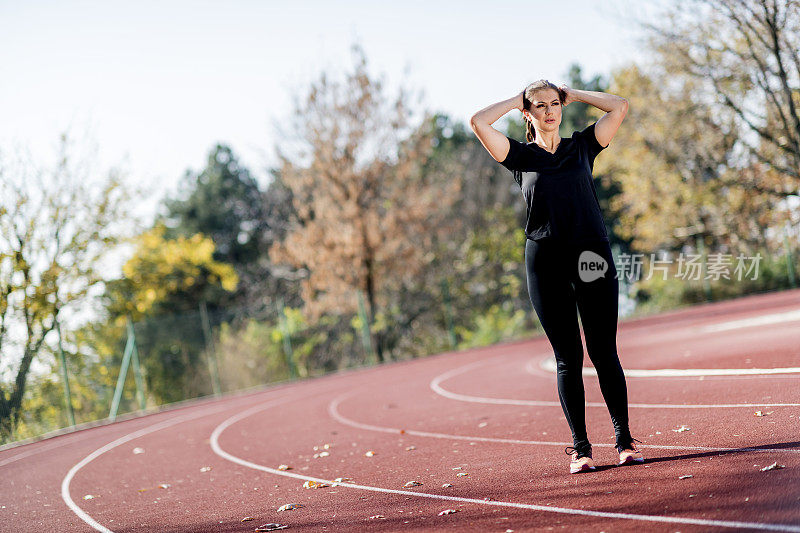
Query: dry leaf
[
  {"x": 682, "y": 429},
  {"x": 284, "y": 467},
  {"x": 446, "y": 485},
  {"x": 773, "y": 466},
  {"x": 687, "y": 476},
  {"x": 370, "y": 453},
  {"x": 247, "y": 519},
  {"x": 137, "y": 451},
  {"x": 412, "y": 484},
  {"x": 205, "y": 469},
  {"x": 314, "y": 484},
  {"x": 409, "y": 448},
  {"x": 290, "y": 506},
  {"x": 448, "y": 511},
  {"x": 376, "y": 516},
  {"x": 88, "y": 497},
  {"x": 461, "y": 474},
  {"x": 271, "y": 527},
  {"x": 164, "y": 486}
]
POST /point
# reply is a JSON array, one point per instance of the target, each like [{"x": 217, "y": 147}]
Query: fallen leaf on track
[
  {"x": 164, "y": 486},
  {"x": 88, "y": 497},
  {"x": 682, "y": 429},
  {"x": 687, "y": 476},
  {"x": 370, "y": 453},
  {"x": 412, "y": 484},
  {"x": 271, "y": 527},
  {"x": 461, "y": 474},
  {"x": 205, "y": 469},
  {"x": 247, "y": 519},
  {"x": 773, "y": 466},
  {"x": 376, "y": 516},
  {"x": 448, "y": 511},
  {"x": 409, "y": 448},
  {"x": 284, "y": 467},
  {"x": 341, "y": 480},
  {"x": 446, "y": 485},
  {"x": 137, "y": 451},
  {"x": 290, "y": 506},
  {"x": 314, "y": 484}
]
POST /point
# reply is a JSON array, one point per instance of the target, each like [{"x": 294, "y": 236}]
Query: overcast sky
[{"x": 155, "y": 84}]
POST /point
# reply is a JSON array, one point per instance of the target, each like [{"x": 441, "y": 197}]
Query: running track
[{"x": 490, "y": 413}]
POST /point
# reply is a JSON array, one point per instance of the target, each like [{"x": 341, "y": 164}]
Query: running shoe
[
  {"x": 631, "y": 454},
  {"x": 580, "y": 462}
]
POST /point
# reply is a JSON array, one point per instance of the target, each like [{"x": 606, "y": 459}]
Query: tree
[
  {"x": 224, "y": 202},
  {"x": 367, "y": 216},
  {"x": 743, "y": 58},
  {"x": 57, "y": 224},
  {"x": 164, "y": 283},
  {"x": 675, "y": 171}
]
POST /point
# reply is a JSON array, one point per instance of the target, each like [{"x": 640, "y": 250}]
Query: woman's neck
[{"x": 548, "y": 141}]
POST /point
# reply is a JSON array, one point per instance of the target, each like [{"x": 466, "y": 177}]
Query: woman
[{"x": 567, "y": 254}]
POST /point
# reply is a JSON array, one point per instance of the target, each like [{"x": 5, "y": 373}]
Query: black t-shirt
[{"x": 558, "y": 188}]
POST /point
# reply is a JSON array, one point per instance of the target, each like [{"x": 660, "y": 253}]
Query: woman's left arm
[{"x": 615, "y": 107}]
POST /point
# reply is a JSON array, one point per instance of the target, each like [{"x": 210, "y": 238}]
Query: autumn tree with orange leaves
[{"x": 368, "y": 216}]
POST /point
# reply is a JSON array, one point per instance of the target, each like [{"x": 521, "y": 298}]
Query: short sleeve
[
  {"x": 591, "y": 141},
  {"x": 513, "y": 160}
]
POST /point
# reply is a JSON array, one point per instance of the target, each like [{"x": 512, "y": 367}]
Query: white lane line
[
  {"x": 214, "y": 440},
  {"x": 333, "y": 410},
  {"x": 65, "y": 495},
  {"x": 773, "y": 318},
  {"x": 435, "y": 385},
  {"x": 549, "y": 364}
]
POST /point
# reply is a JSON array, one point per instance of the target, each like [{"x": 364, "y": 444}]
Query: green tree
[
  {"x": 164, "y": 284},
  {"x": 57, "y": 225},
  {"x": 224, "y": 202}
]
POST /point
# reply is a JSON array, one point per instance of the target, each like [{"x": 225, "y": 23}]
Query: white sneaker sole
[{"x": 582, "y": 468}]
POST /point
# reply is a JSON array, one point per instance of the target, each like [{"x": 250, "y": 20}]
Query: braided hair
[{"x": 527, "y": 99}]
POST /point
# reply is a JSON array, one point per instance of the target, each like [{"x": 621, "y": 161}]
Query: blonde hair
[{"x": 527, "y": 99}]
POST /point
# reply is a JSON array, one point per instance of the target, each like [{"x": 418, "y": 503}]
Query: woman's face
[{"x": 545, "y": 112}]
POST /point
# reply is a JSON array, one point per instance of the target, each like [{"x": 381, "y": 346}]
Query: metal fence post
[
  {"x": 789, "y": 256},
  {"x": 137, "y": 370},
  {"x": 366, "y": 338},
  {"x": 123, "y": 372},
  {"x": 213, "y": 368},
  {"x": 448, "y": 314},
  {"x": 288, "y": 352},
  {"x": 65, "y": 377}
]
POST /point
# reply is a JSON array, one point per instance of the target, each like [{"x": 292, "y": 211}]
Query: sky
[{"x": 154, "y": 85}]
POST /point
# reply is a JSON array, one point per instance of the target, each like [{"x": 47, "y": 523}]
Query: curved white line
[
  {"x": 549, "y": 364},
  {"x": 438, "y": 389},
  {"x": 333, "y": 410},
  {"x": 214, "y": 441},
  {"x": 773, "y": 318},
  {"x": 65, "y": 495}
]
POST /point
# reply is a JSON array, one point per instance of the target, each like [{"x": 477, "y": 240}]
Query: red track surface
[{"x": 469, "y": 409}]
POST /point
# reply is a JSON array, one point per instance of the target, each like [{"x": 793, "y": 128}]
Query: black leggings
[{"x": 555, "y": 285}]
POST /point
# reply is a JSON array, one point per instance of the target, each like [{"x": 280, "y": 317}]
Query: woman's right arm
[{"x": 481, "y": 122}]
